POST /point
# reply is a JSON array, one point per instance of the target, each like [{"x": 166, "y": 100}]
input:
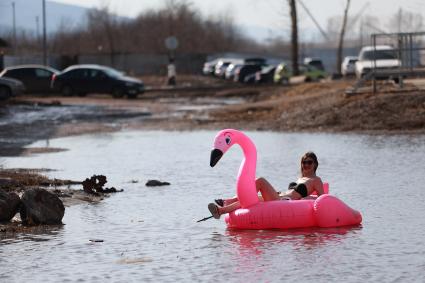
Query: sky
[
  {"x": 268, "y": 17},
  {"x": 260, "y": 19}
]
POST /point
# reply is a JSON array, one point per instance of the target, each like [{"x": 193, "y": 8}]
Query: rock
[
  {"x": 154, "y": 183},
  {"x": 40, "y": 206},
  {"x": 9, "y": 205},
  {"x": 7, "y": 182}
]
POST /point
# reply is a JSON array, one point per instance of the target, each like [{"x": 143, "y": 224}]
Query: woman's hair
[{"x": 312, "y": 155}]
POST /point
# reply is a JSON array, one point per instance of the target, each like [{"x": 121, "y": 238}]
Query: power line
[{"x": 325, "y": 35}]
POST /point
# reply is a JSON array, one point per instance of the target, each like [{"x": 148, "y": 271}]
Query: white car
[
  {"x": 380, "y": 57},
  {"x": 348, "y": 66}
]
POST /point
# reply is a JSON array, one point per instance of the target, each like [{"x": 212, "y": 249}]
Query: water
[{"x": 150, "y": 234}]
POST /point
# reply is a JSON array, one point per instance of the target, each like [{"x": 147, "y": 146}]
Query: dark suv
[
  {"x": 83, "y": 79},
  {"x": 246, "y": 70}
]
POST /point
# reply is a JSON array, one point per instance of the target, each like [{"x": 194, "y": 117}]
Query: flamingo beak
[{"x": 216, "y": 154}]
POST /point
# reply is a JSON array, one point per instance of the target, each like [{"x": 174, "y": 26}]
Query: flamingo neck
[{"x": 245, "y": 187}]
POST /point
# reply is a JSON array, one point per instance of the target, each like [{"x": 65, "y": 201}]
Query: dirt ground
[
  {"x": 200, "y": 102},
  {"x": 207, "y": 103}
]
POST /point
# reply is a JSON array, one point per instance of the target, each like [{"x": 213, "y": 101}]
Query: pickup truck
[{"x": 380, "y": 57}]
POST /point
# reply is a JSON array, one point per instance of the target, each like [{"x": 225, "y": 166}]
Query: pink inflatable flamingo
[{"x": 325, "y": 211}]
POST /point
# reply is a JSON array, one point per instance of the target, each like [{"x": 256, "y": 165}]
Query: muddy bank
[
  {"x": 208, "y": 103},
  {"x": 324, "y": 107},
  {"x": 24, "y": 120}
]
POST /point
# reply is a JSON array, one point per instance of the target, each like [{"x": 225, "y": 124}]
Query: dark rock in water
[
  {"x": 154, "y": 183},
  {"x": 9, "y": 205},
  {"x": 95, "y": 184},
  {"x": 40, "y": 206}
]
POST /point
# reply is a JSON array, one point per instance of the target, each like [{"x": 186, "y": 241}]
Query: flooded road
[{"x": 151, "y": 234}]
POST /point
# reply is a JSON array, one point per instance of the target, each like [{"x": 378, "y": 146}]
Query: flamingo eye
[{"x": 228, "y": 140}]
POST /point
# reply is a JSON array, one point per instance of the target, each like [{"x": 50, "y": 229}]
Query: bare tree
[
  {"x": 341, "y": 38},
  {"x": 294, "y": 36},
  {"x": 405, "y": 21},
  {"x": 105, "y": 25},
  {"x": 110, "y": 34}
]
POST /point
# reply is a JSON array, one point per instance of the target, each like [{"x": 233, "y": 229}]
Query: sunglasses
[{"x": 307, "y": 162}]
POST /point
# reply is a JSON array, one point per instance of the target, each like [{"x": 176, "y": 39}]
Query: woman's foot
[
  {"x": 213, "y": 208},
  {"x": 219, "y": 202}
]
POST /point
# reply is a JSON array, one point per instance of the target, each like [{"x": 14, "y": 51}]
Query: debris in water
[
  {"x": 154, "y": 183},
  {"x": 134, "y": 260},
  {"x": 95, "y": 184}
]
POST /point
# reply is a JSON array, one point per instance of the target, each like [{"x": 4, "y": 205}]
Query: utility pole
[
  {"x": 399, "y": 19},
  {"x": 44, "y": 34},
  {"x": 341, "y": 38},
  {"x": 294, "y": 36},
  {"x": 14, "y": 27},
  {"x": 37, "y": 30}
]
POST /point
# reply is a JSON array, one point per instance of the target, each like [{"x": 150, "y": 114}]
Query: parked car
[
  {"x": 314, "y": 62},
  {"x": 209, "y": 68},
  {"x": 348, "y": 66},
  {"x": 10, "y": 87},
  {"x": 36, "y": 78},
  {"x": 283, "y": 73},
  {"x": 83, "y": 79},
  {"x": 220, "y": 68},
  {"x": 265, "y": 75},
  {"x": 244, "y": 71},
  {"x": 381, "y": 57},
  {"x": 230, "y": 71}
]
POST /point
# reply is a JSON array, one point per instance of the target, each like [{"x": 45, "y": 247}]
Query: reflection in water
[
  {"x": 17, "y": 233},
  {"x": 253, "y": 241}
]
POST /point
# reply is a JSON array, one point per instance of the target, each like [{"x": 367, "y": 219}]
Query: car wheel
[
  {"x": 67, "y": 90},
  {"x": 5, "y": 92},
  {"x": 118, "y": 92}
]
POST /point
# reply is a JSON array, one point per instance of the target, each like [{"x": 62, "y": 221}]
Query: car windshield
[
  {"x": 378, "y": 55},
  {"x": 113, "y": 73}
]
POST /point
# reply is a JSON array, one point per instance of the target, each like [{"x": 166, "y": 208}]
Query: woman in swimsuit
[{"x": 303, "y": 187}]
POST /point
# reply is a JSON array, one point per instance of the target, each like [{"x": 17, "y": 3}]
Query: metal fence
[
  {"x": 409, "y": 50},
  {"x": 136, "y": 64}
]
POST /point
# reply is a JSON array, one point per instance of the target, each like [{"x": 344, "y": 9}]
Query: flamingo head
[{"x": 222, "y": 142}]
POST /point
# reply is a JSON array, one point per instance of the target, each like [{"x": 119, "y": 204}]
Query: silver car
[
  {"x": 348, "y": 66},
  {"x": 10, "y": 87}
]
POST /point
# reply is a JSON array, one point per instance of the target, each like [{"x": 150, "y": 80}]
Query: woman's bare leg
[
  {"x": 268, "y": 193},
  {"x": 266, "y": 189},
  {"x": 229, "y": 201},
  {"x": 229, "y": 208}
]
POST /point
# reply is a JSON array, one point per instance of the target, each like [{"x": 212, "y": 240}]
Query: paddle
[{"x": 206, "y": 218}]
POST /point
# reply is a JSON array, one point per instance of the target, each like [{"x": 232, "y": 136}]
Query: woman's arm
[{"x": 318, "y": 186}]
